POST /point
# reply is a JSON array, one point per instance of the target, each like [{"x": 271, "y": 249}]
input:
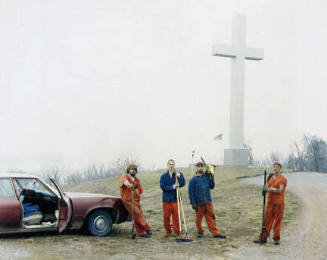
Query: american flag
[{"x": 218, "y": 137}]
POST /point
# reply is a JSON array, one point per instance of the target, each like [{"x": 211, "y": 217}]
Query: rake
[{"x": 184, "y": 235}]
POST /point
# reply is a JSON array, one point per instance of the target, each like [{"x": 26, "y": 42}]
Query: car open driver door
[{"x": 65, "y": 208}]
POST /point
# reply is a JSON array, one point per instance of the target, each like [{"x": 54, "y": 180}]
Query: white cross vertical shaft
[
  {"x": 236, "y": 123},
  {"x": 239, "y": 53}
]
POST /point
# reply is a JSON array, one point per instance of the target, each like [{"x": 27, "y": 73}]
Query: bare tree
[
  {"x": 275, "y": 157},
  {"x": 248, "y": 146},
  {"x": 311, "y": 156},
  {"x": 300, "y": 159},
  {"x": 122, "y": 164},
  {"x": 56, "y": 173},
  {"x": 316, "y": 153}
]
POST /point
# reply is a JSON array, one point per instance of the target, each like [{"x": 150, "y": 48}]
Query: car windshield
[
  {"x": 32, "y": 184},
  {"x": 6, "y": 189}
]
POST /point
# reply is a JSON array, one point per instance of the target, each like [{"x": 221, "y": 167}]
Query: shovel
[{"x": 133, "y": 227}]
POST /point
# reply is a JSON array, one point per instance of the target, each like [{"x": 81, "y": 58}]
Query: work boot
[
  {"x": 145, "y": 235},
  {"x": 167, "y": 235},
  {"x": 276, "y": 242},
  {"x": 200, "y": 235},
  {"x": 261, "y": 240},
  {"x": 221, "y": 236}
]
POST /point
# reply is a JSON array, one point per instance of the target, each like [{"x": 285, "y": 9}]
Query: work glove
[
  {"x": 176, "y": 185},
  {"x": 264, "y": 190},
  {"x": 194, "y": 206},
  {"x": 133, "y": 186}
]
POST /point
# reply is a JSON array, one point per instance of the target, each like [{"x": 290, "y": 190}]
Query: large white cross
[{"x": 239, "y": 53}]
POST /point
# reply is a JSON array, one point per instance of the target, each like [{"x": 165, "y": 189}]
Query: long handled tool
[
  {"x": 179, "y": 212},
  {"x": 184, "y": 235},
  {"x": 133, "y": 227},
  {"x": 263, "y": 226},
  {"x": 184, "y": 221}
]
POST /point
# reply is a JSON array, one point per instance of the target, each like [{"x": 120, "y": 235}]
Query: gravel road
[
  {"x": 306, "y": 237},
  {"x": 9, "y": 252}
]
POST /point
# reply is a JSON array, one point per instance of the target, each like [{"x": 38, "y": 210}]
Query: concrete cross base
[{"x": 236, "y": 157}]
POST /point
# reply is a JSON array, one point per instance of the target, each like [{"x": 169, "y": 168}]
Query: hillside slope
[{"x": 238, "y": 209}]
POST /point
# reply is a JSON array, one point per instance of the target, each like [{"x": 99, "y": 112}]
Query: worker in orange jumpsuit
[
  {"x": 129, "y": 182},
  {"x": 276, "y": 185}
]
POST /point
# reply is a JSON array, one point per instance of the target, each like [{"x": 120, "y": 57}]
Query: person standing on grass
[
  {"x": 127, "y": 183},
  {"x": 276, "y": 185},
  {"x": 168, "y": 185},
  {"x": 200, "y": 199}
]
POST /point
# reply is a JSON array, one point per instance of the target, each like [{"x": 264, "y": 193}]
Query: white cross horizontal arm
[
  {"x": 224, "y": 50},
  {"x": 254, "y": 53},
  {"x": 230, "y": 51}
]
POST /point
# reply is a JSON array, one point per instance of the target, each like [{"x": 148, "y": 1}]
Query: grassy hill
[{"x": 238, "y": 209}]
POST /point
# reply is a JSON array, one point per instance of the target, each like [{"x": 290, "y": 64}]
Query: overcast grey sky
[{"x": 91, "y": 81}]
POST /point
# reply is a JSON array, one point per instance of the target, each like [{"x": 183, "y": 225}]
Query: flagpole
[
  {"x": 193, "y": 152},
  {"x": 222, "y": 157},
  {"x": 219, "y": 137}
]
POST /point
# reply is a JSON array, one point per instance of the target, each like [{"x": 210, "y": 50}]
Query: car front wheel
[{"x": 100, "y": 223}]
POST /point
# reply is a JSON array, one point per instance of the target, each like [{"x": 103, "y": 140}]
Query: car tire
[{"x": 99, "y": 223}]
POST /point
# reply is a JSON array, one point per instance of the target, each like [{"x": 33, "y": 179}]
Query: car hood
[{"x": 88, "y": 195}]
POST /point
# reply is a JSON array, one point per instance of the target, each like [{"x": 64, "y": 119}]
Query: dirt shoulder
[{"x": 305, "y": 237}]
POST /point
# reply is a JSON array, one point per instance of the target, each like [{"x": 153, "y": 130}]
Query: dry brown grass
[{"x": 238, "y": 209}]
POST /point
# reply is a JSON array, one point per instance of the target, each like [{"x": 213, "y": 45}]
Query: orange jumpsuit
[
  {"x": 208, "y": 212},
  {"x": 275, "y": 206},
  {"x": 171, "y": 208},
  {"x": 126, "y": 195}
]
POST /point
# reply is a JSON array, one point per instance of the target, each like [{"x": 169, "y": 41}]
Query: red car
[{"x": 28, "y": 204}]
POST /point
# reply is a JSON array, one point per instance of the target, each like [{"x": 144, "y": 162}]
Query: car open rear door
[
  {"x": 11, "y": 213},
  {"x": 65, "y": 208}
]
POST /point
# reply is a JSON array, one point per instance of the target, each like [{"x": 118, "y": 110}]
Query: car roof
[{"x": 16, "y": 175}]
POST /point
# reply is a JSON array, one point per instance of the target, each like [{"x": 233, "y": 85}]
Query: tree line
[
  {"x": 309, "y": 154},
  {"x": 65, "y": 176}
]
